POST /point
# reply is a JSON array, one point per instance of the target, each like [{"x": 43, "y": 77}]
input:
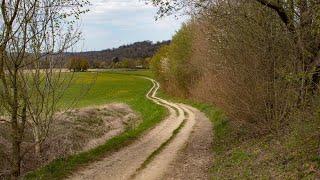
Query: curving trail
[{"x": 177, "y": 148}]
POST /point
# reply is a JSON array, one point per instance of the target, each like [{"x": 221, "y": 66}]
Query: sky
[{"x": 112, "y": 23}]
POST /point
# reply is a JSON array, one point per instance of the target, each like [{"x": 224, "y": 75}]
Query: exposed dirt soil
[
  {"x": 195, "y": 159},
  {"x": 177, "y": 148},
  {"x": 94, "y": 125},
  {"x": 72, "y": 132}
]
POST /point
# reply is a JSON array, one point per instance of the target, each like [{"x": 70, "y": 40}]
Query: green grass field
[
  {"x": 108, "y": 87},
  {"x": 105, "y": 87}
]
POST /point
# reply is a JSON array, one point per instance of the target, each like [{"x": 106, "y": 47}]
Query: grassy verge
[
  {"x": 109, "y": 87},
  {"x": 291, "y": 153}
]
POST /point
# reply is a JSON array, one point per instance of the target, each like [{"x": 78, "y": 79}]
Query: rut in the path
[{"x": 139, "y": 160}]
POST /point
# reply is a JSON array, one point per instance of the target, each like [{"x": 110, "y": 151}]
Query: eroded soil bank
[{"x": 72, "y": 132}]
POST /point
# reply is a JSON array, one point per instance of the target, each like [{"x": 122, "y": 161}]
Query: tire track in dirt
[{"x": 129, "y": 162}]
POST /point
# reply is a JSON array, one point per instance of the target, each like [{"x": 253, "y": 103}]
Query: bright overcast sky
[{"x": 111, "y": 23}]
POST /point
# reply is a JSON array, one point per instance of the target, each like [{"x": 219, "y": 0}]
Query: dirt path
[{"x": 162, "y": 152}]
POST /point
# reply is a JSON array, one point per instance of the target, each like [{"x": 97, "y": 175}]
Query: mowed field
[{"x": 98, "y": 88}]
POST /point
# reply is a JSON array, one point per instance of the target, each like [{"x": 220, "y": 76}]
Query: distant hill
[{"x": 137, "y": 50}]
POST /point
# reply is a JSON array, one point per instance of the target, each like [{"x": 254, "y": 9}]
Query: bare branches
[
  {"x": 33, "y": 31},
  {"x": 279, "y": 9}
]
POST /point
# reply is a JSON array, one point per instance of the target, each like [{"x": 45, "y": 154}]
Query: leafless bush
[
  {"x": 245, "y": 60},
  {"x": 250, "y": 65}
]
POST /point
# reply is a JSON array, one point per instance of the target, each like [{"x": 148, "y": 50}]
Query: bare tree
[{"x": 33, "y": 35}]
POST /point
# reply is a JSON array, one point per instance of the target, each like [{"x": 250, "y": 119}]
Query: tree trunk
[
  {"x": 16, "y": 137},
  {"x": 16, "y": 166},
  {"x": 16, "y": 129},
  {"x": 16, "y": 163},
  {"x": 36, "y": 135}
]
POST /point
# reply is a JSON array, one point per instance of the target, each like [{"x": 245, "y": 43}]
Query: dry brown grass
[{"x": 74, "y": 131}]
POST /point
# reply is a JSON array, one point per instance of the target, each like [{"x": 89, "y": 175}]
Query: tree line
[
  {"x": 81, "y": 64},
  {"x": 136, "y": 52}
]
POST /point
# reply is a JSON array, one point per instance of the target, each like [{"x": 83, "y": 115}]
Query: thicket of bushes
[
  {"x": 242, "y": 58},
  {"x": 171, "y": 63},
  {"x": 131, "y": 64},
  {"x": 77, "y": 64}
]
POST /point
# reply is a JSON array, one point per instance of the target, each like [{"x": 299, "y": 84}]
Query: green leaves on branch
[{"x": 171, "y": 65}]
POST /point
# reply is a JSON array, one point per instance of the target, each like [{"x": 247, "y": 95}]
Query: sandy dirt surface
[
  {"x": 187, "y": 146},
  {"x": 195, "y": 159}
]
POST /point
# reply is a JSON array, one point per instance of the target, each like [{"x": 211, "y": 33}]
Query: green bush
[{"x": 171, "y": 63}]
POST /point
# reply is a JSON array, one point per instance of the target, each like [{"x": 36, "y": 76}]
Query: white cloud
[
  {"x": 101, "y": 6},
  {"x": 112, "y": 22}
]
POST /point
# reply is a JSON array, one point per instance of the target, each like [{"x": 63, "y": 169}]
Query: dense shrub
[
  {"x": 241, "y": 58},
  {"x": 172, "y": 63},
  {"x": 158, "y": 63},
  {"x": 77, "y": 64}
]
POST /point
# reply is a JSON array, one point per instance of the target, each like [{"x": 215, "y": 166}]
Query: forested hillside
[
  {"x": 258, "y": 62},
  {"x": 135, "y": 51}
]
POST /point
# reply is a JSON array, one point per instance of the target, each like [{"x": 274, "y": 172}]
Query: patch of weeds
[
  {"x": 220, "y": 124},
  {"x": 106, "y": 112},
  {"x": 89, "y": 121},
  {"x": 238, "y": 156},
  {"x": 316, "y": 159}
]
